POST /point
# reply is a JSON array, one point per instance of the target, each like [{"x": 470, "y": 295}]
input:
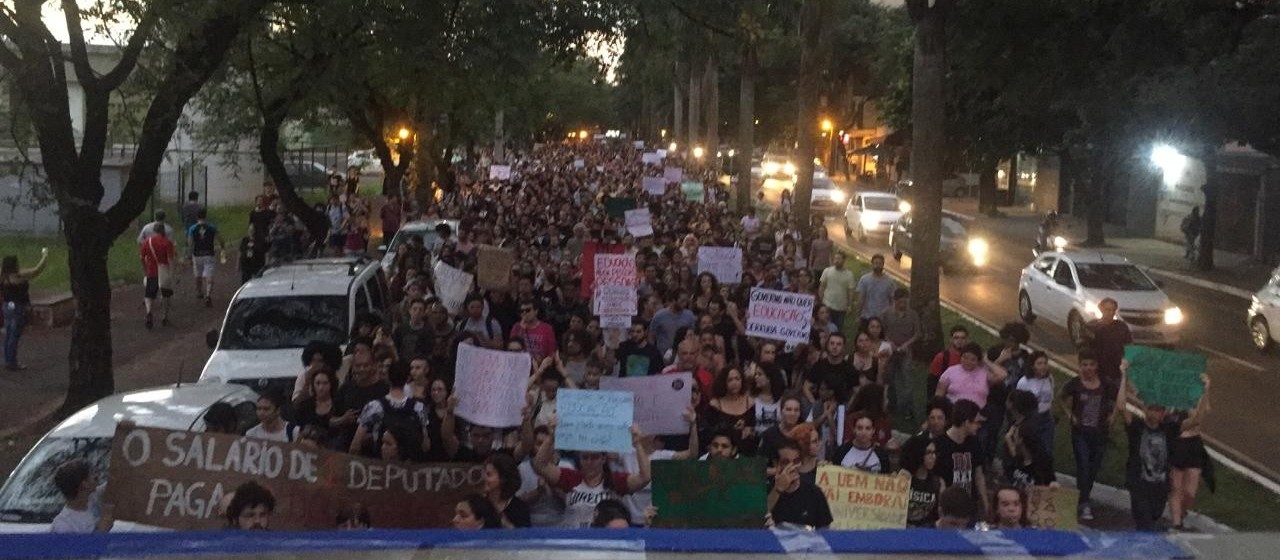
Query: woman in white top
[
  {"x": 883, "y": 348},
  {"x": 1040, "y": 384}
]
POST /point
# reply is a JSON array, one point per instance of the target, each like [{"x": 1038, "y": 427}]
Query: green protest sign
[
  {"x": 1166, "y": 378},
  {"x": 693, "y": 190},
  {"x": 714, "y": 494},
  {"x": 617, "y": 207}
]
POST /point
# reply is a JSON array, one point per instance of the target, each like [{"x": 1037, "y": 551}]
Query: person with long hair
[
  {"x": 15, "y": 291},
  {"x": 869, "y": 400},
  {"x": 861, "y": 452},
  {"x": 806, "y": 436},
  {"x": 868, "y": 367},
  {"x": 732, "y": 405},
  {"x": 767, "y": 386},
  {"x": 476, "y": 512},
  {"x": 919, "y": 457},
  {"x": 591, "y": 480},
  {"x": 501, "y": 482},
  {"x": 320, "y": 409},
  {"x": 706, "y": 287},
  {"x": 1009, "y": 509}
]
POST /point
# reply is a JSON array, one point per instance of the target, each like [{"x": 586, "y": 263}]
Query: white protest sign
[
  {"x": 778, "y": 315},
  {"x": 452, "y": 286},
  {"x": 660, "y": 400},
  {"x": 579, "y": 164},
  {"x": 638, "y": 144},
  {"x": 650, "y": 158},
  {"x": 490, "y": 385},
  {"x": 500, "y": 172},
  {"x": 614, "y": 329},
  {"x": 662, "y": 153},
  {"x": 725, "y": 263},
  {"x": 655, "y": 186},
  {"x": 615, "y": 281},
  {"x": 639, "y": 223},
  {"x": 673, "y": 174}
]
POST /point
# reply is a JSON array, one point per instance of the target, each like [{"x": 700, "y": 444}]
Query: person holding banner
[
  {"x": 861, "y": 452},
  {"x": 591, "y": 481},
  {"x": 250, "y": 508},
  {"x": 84, "y": 511}
]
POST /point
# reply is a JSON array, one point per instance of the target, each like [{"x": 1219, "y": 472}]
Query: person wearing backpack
[
  {"x": 271, "y": 424},
  {"x": 395, "y": 408},
  {"x": 486, "y": 329}
]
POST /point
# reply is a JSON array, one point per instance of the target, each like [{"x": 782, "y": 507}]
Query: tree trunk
[
  {"x": 91, "y": 375},
  {"x": 711, "y": 91},
  {"x": 1010, "y": 196},
  {"x": 815, "y": 26},
  {"x": 929, "y": 144},
  {"x": 988, "y": 189},
  {"x": 317, "y": 224},
  {"x": 677, "y": 110},
  {"x": 746, "y": 126},
  {"x": 1209, "y": 218},
  {"x": 1100, "y": 181},
  {"x": 694, "y": 110},
  {"x": 499, "y": 138}
]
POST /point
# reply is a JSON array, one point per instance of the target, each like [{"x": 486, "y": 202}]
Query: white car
[
  {"x": 422, "y": 229},
  {"x": 273, "y": 317},
  {"x": 1066, "y": 287},
  {"x": 1264, "y": 312},
  {"x": 826, "y": 198},
  {"x": 871, "y": 212},
  {"x": 367, "y": 161},
  {"x": 29, "y": 501}
]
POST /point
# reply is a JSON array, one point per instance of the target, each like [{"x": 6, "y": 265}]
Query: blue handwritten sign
[{"x": 594, "y": 420}]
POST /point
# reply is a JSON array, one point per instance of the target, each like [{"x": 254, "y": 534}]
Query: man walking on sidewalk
[
  {"x": 157, "y": 254},
  {"x": 201, "y": 241},
  {"x": 1191, "y": 226}
]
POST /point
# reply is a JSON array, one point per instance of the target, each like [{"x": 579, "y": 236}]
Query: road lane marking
[{"x": 1233, "y": 359}]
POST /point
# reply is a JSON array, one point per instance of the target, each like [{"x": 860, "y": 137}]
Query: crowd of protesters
[{"x": 983, "y": 438}]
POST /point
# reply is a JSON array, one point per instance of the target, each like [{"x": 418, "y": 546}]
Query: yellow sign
[
  {"x": 862, "y": 500},
  {"x": 1053, "y": 508}
]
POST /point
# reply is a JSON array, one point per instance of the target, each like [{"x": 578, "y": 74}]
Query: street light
[
  {"x": 582, "y": 134},
  {"x": 1171, "y": 163},
  {"x": 826, "y": 125},
  {"x": 671, "y": 147},
  {"x": 663, "y": 133},
  {"x": 403, "y": 133},
  {"x": 697, "y": 152}
]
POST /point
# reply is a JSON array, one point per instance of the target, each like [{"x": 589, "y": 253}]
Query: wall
[{"x": 17, "y": 183}]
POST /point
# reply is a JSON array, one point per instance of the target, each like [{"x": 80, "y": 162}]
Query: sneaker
[
  {"x": 1086, "y": 512},
  {"x": 149, "y": 323}
]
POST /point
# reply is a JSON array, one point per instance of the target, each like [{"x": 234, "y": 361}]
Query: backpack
[{"x": 402, "y": 415}]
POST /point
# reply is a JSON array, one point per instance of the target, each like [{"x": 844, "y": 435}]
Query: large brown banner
[{"x": 177, "y": 479}]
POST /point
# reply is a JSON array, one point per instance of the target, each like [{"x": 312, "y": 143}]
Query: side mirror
[{"x": 211, "y": 338}]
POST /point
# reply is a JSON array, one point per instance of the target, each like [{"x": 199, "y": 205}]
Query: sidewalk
[{"x": 1234, "y": 274}]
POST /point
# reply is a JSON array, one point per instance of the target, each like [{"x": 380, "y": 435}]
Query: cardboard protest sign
[
  {"x": 617, "y": 207},
  {"x": 654, "y": 186},
  {"x": 778, "y": 315},
  {"x": 650, "y": 158},
  {"x": 452, "y": 286},
  {"x": 714, "y": 494},
  {"x": 639, "y": 223},
  {"x": 693, "y": 191},
  {"x": 660, "y": 400},
  {"x": 1165, "y": 377},
  {"x": 493, "y": 267},
  {"x": 491, "y": 385},
  {"x": 615, "y": 281},
  {"x": 725, "y": 263},
  {"x": 672, "y": 174},
  {"x": 1053, "y": 508},
  {"x": 177, "y": 479},
  {"x": 500, "y": 172},
  {"x": 862, "y": 500},
  {"x": 593, "y": 420},
  {"x": 587, "y": 264}
]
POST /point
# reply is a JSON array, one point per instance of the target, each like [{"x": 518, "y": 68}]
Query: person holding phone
[{"x": 15, "y": 290}]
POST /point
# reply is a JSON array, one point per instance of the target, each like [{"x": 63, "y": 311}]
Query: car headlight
[
  {"x": 904, "y": 206},
  {"x": 1059, "y": 242},
  {"x": 1091, "y": 309},
  {"x": 870, "y": 221},
  {"x": 770, "y": 167},
  {"x": 978, "y": 249},
  {"x": 1173, "y": 316},
  {"x": 837, "y": 197},
  {"x": 789, "y": 168}
]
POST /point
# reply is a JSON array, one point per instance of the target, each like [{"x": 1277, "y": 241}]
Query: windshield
[
  {"x": 1119, "y": 277},
  {"x": 30, "y": 496},
  {"x": 428, "y": 237},
  {"x": 269, "y": 323},
  {"x": 881, "y": 203}
]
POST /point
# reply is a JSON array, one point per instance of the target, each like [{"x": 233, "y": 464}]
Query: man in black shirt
[
  {"x": 1107, "y": 337},
  {"x": 960, "y": 458},
  {"x": 792, "y": 498},
  {"x": 637, "y": 357},
  {"x": 361, "y": 387},
  {"x": 834, "y": 367},
  {"x": 414, "y": 338}
]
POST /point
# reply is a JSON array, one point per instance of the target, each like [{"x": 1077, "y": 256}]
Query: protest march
[{"x": 602, "y": 342}]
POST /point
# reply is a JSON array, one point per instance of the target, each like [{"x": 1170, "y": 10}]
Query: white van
[{"x": 273, "y": 317}]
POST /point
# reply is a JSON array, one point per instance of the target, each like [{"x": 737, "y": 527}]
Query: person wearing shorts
[
  {"x": 203, "y": 240},
  {"x": 157, "y": 254}
]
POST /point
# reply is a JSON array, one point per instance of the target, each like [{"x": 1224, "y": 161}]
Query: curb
[{"x": 1200, "y": 282}]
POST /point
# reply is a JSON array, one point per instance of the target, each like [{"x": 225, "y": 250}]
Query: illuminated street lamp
[
  {"x": 663, "y": 133},
  {"x": 671, "y": 147},
  {"x": 403, "y": 133},
  {"x": 697, "y": 152},
  {"x": 826, "y": 125},
  {"x": 582, "y": 134},
  {"x": 1170, "y": 161}
]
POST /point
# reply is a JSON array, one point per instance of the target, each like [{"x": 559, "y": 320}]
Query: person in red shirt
[
  {"x": 157, "y": 253},
  {"x": 948, "y": 357},
  {"x": 538, "y": 336}
]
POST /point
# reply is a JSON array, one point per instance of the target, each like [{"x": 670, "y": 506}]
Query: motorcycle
[{"x": 1044, "y": 240}]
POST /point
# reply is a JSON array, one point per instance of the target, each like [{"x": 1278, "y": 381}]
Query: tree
[
  {"x": 815, "y": 49},
  {"x": 929, "y": 143},
  {"x": 188, "y": 43}
]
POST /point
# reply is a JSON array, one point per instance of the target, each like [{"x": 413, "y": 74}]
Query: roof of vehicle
[
  {"x": 1090, "y": 257},
  {"x": 321, "y": 277},
  {"x": 417, "y": 225},
  {"x": 173, "y": 407},
  {"x": 876, "y": 194}
]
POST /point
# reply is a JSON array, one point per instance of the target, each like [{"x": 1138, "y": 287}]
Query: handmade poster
[
  {"x": 778, "y": 315},
  {"x": 500, "y": 172},
  {"x": 714, "y": 494},
  {"x": 693, "y": 191},
  {"x": 1166, "y": 377},
  {"x": 654, "y": 186},
  {"x": 587, "y": 264},
  {"x": 452, "y": 286},
  {"x": 593, "y": 420},
  {"x": 617, "y": 207},
  {"x": 490, "y": 385},
  {"x": 177, "y": 479},
  {"x": 639, "y": 222},
  {"x": 614, "y": 329},
  {"x": 638, "y": 144},
  {"x": 660, "y": 400},
  {"x": 673, "y": 174},
  {"x": 615, "y": 281},
  {"x": 493, "y": 267},
  {"x": 661, "y": 153},
  {"x": 862, "y": 500},
  {"x": 650, "y": 158},
  {"x": 579, "y": 164},
  {"x": 725, "y": 263},
  {"x": 1053, "y": 508}
]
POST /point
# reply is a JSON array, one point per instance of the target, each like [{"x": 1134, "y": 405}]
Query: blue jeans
[
  {"x": 15, "y": 318},
  {"x": 1088, "y": 445},
  {"x": 1045, "y": 431}
]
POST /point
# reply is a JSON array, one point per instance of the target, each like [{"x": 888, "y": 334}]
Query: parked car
[
  {"x": 422, "y": 229},
  {"x": 367, "y": 161},
  {"x": 1065, "y": 287},
  {"x": 1264, "y": 314},
  {"x": 960, "y": 185},
  {"x": 29, "y": 500},
  {"x": 309, "y": 174},
  {"x": 272, "y": 317},
  {"x": 957, "y": 251},
  {"x": 872, "y": 212}
]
